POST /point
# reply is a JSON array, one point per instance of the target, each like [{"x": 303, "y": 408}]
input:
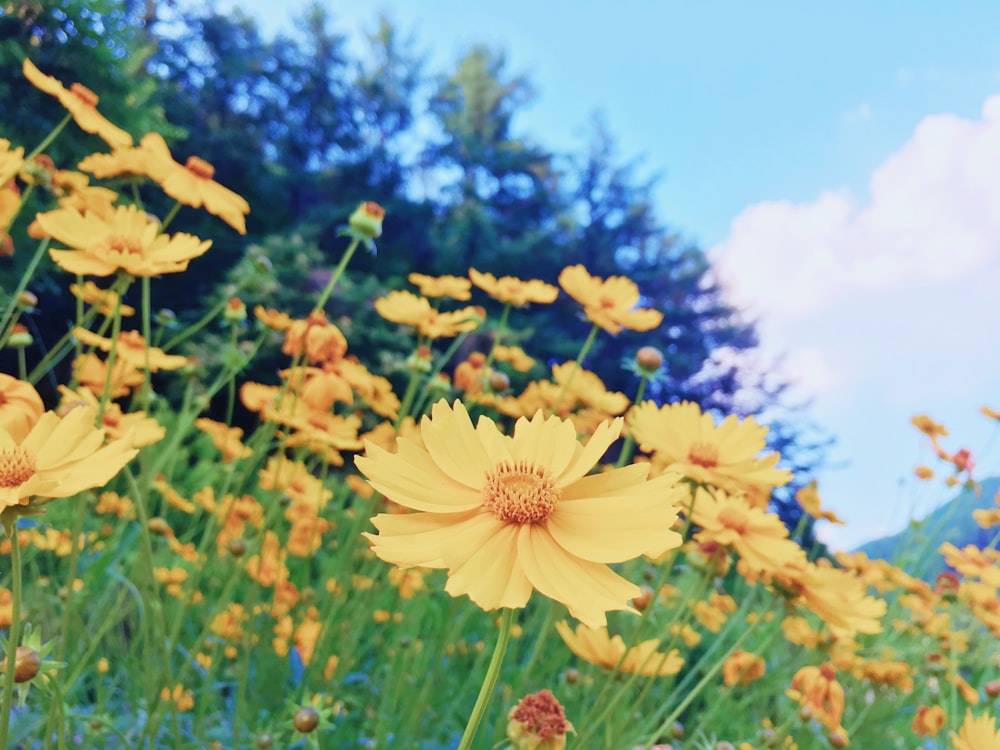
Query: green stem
[
  {"x": 577, "y": 364},
  {"x": 170, "y": 217},
  {"x": 14, "y": 635},
  {"x": 49, "y": 138},
  {"x": 629, "y": 445},
  {"x": 337, "y": 273},
  {"x": 489, "y": 682},
  {"x": 12, "y": 307}
]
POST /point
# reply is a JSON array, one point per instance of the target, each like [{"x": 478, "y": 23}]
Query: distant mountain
[{"x": 916, "y": 547}]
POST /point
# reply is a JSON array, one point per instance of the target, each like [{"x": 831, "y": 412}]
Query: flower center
[
  {"x": 200, "y": 167},
  {"x": 17, "y": 466},
  {"x": 734, "y": 518},
  {"x": 541, "y": 716},
  {"x": 124, "y": 245},
  {"x": 703, "y": 454},
  {"x": 84, "y": 94},
  {"x": 520, "y": 493},
  {"x": 607, "y": 302}
]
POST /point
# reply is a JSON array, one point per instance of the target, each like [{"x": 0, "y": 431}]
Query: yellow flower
[
  {"x": 684, "y": 439},
  {"x": 808, "y": 498},
  {"x": 226, "y": 439},
  {"x": 928, "y": 721},
  {"x": 92, "y": 372},
  {"x": 742, "y": 668},
  {"x": 318, "y": 338},
  {"x": 596, "y": 646},
  {"x": 759, "y": 538},
  {"x": 10, "y": 161},
  {"x": 20, "y": 406},
  {"x": 817, "y": 688},
  {"x": 513, "y": 355},
  {"x": 976, "y": 733},
  {"x": 133, "y": 350},
  {"x": 126, "y": 241},
  {"x": 192, "y": 184},
  {"x": 455, "y": 287},
  {"x": 150, "y": 159},
  {"x": 928, "y": 426},
  {"x": 984, "y": 410},
  {"x": 138, "y": 428},
  {"x": 104, "y": 299},
  {"x": 408, "y": 309},
  {"x": 58, "y": 458},
  {"x": 514, "y": 291},
  {"x": 608, "y": 303},
  {"x": 80, "y": 102},
  {"x": 509, "y": 514}
]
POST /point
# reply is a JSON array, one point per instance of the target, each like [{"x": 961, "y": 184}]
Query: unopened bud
[
  {"x": 235, "y": 312},
  {"x": 649, "y": 359},
  {"x": 367, "y": 219},
  {"x": 27, "y": 664},
  {"x": 306, "y": 719},
  {"x": 20, "y": 337}
]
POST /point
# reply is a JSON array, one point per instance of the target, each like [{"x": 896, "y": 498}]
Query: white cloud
[
  {"x": 857, "y": 114},
  {"x": 931, "y": 215}
]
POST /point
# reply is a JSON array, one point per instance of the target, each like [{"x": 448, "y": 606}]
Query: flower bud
[
  {"x": 264, "y": 741},
  {"x": 642, "y": 601},
  {"x": 992, "y": 688},
  {"x": 237, "y": 547},
  {"x": 159, "y": 526},
  {"x": 538, "y": 722},
  {"x": 649, "y": 359},
  {"x": 306, "y": 719},
  {"x": 235, "y": 312},
  {"x": 499, "y": 382},
  {"x": 27, "y": 300},
  {"x": 20, "y": 337},
  {"x": 572, "y": 676},
  {"x": 27, "y": 664},
  {"x": 367, "y": 219}
]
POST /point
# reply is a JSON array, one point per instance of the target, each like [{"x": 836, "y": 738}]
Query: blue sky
[{"x": 840, "y": 162}]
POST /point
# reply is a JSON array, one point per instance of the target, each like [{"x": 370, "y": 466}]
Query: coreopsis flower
[
  {"x": 125, "y": 241},
  {"x": 596, "y": 646},
  {"x": 191, "y": 183},
  {"x": 11, "y": 160},
  {"x": 131, "y": 347},
  {"x": 294, "y": 479},
  {"x": 276, "y": 321},
  {"x": 455, "y": 287},
  {"x": 987, "y": 518},
  {"x": 608, "y": 303},
  {"x": 976, "y": 733},
  {"x": 817, "y": 688},
  {"x": 58, "y": 458},
  {"x": 923, "y": 472},
  {"x": 971, "y": 561},
  {"x": 538, "y": 722},
  {"x": 140, "y": 429},
  {"x": 759, "y": 538},
  {"x": 227, "y": 439},
  {"x": 808, "y": 499},
  {"x": 514, "y": 291},
  {"x": 929, "y": 427},
  {"x": 505, "y": 515},
  {"x": 81, "y": 103},
  {"x": 984, "y": 410},
  {"x": 318, "y": 338},
  {"x": 92, "y": 373},
  {"x": 151, "y": 158},
  {"x": 837, "y": 596},
  {"x": 105, "y": 300},
  {"x": 742, "y": 668},
  {"x": 683, "y": 439},
  {"x": 515, "y": 356},
  {"x": 409, "y": 309},
  {"x": 20, "y": 406}
]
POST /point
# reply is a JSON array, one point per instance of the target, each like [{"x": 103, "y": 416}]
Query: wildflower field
[{"x": 502, "y": 554}]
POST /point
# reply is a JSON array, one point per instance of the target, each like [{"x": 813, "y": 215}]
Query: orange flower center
[
  {"x": 17, "y": 466},
  {"x": 84, "y": 94},
  {"x": 124, "y": 244},
  {"x": 703, "y": 454},
  {"x": 520, "y": 493},
  {"x": 200, "y": 167},
  {"x": 607, "y": 302},
  {"x": 734, "y": 518}
]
